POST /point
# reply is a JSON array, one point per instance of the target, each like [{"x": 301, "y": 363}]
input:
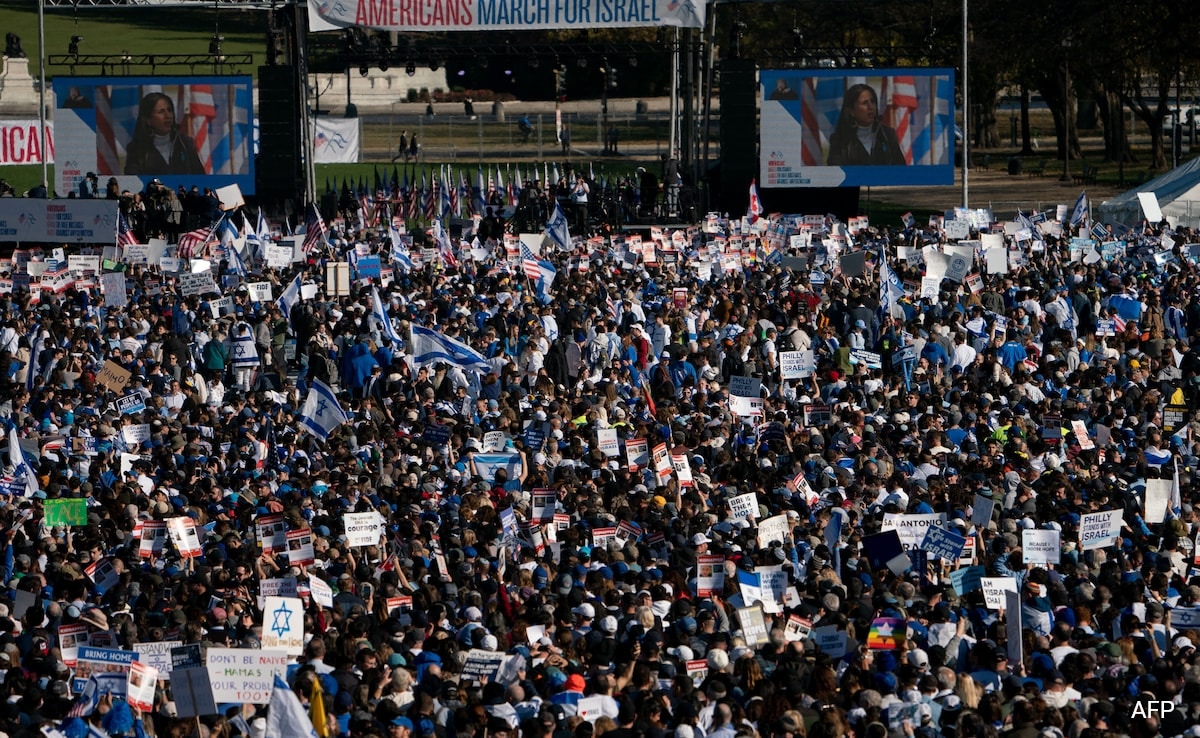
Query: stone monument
[{"x": 18, "y": 92}]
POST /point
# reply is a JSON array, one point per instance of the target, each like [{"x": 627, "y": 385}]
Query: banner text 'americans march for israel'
[{"x": 483, "y": 15}]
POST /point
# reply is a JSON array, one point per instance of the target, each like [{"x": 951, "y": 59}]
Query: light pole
[
  {"x": 966, "y": 127},
  {"x": 1066, "y": 173}
]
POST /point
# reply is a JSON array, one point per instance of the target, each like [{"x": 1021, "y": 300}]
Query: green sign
[{"x": 66, "y": 512}]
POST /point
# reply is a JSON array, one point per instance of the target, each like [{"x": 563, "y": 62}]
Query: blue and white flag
[
  {"x": 289, "y": 298},
  {"x": 258, "y": 237},
  {"x": 1082, "y": 211},
  {"x": 430, "y": 347},
  {"x": 21, "y": 471},
  {"x": 243, "y": 351},
  {"x": 486, "y": 465},
  {"x": 235, "y": 263},
  {"x": 890, "y": 287},
  {"x": 285, "y": 714},
  {"x": 321, "y": 413},
  {"x": 385, "y": 322},
  {"x": 227, "y": 232},
  {"x": 400, "y": 255},
  {"x": 556, "y": 228}
]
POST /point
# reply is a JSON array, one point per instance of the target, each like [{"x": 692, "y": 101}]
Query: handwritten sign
[{"x": 244, "y": 674}]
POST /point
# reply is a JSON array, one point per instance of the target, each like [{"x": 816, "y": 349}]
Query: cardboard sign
[
  {"x": 259, "y": 291},
  {"x": 981, "y": 511},
  {"x": 283, "y": 625},
  {"x": 113, "y": 376},
  {"x": 68, "y": 512},
  {"x": 830, "y": 640},
  {"x": 710, "y": 575},
  {"x": 321, "y": 592},
  {"x": 1158, "y": 499},
  {"x": 743, "y": 506},
  {"x": 609, "y": 445},
  {"x": 244, "y": 674},
  {"x": 158, "y": 655},
  {"x": 754, "y": 628}
]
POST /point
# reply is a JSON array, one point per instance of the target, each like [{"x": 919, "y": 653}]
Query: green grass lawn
[{"x": 136, "y": 29}]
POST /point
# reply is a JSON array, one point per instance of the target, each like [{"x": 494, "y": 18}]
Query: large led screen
[
  {"x": 180, "y": 130},
  {"x": 856, "y": 127}
]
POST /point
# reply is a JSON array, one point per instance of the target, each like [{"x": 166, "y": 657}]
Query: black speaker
[
  {"x": 279, "y": 173},
  {"x": 739, "y": 134}
]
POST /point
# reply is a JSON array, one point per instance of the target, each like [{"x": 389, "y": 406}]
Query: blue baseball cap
[{"x": 402, "y": 722}]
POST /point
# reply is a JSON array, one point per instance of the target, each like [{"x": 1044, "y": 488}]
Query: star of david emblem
[
  {"x": 282, "y": 622},
  {"x": 322, "y": 405},
  {"x": 239, "y": 350},
  {"x": 884, "y": 630}
]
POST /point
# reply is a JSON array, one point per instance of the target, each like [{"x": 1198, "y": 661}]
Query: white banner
[
  {"x": 499, "y": 15},
  {"x": 21, "y": 142},
  {"x": 335, "y": 140},
  {"x": 63, "y": 221}
]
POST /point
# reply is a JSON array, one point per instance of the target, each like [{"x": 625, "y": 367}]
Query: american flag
[
  {"x": 194, "y": 243},
  {"x": 900, "y": 100},
  {"x": 530, "y": 264},
  {"x": 821, "y": 102},
  {"x": 125, "y": 236},
  {"x": 201, "y": 111},
  {"x": 452, "y": 191},
  {"x": 314, "y": 229},
  {"x": 431, "y": 199}
]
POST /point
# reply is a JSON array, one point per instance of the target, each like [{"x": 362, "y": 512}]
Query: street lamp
[{"x": 1066, "y": 143}]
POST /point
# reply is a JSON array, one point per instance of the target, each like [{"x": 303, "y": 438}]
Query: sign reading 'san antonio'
[{"x": 497, "y": 15}]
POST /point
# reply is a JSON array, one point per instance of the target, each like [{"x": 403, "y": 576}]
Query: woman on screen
[
  {"x": 158, "y": 146},
  {"x": 860, "y": 139}
]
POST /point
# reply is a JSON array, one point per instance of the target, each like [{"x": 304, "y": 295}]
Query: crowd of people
[{"x": 691, "y": 484}]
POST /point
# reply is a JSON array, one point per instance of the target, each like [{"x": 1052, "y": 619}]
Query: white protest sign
[
  {"x": 1149, "y": 202},
  {"x": 112, "y": 284},
  {"x": 994, "y": 589},
  {"x": 321, "y": 592},
  {"x": 796, "y": 364},
  {"x": 743, "y": 506},
  {"x": 772, "y": 529},
  {"x": 245, "y": 674},
  {"x": 363, "y": 529},
  {"x": 609, "y": 445},
  {"x": 259, "y": 291},
  {"x": 196, "y": 284},
  {"x": 912, "y": 528},
  {"x": 277, "y": 587},
  {"x": 1041, "y": 546},
  {"x": 1158, "y": 497},
  {"x": 283, "y": 625},
  {"x": 278, "y": 257},
  {"x": 1100, "y": 529}
]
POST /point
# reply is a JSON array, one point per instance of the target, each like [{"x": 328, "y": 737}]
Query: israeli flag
[
  {"x": 245, "y": 353},
  {"x": 546, "y": 275},
  {"x": 400, "y": 255},
  {"x": 430, "y": 347},
  {"x": 486, "y": 465},
  {"x": 321, "y": 413},
  {"x": 236, "y": 265},
  {"x": 289, "y": 298},
  {"x": 385, "y": 323},
  {"x": 1081, "y": 212},
  {"x": 259, "y": 236},
  {"x": 21, "y": 471},
  {"x": 890, "y": 287},
  {"x": 286, "y": 716},
  {"x": 556, "y": 228}
]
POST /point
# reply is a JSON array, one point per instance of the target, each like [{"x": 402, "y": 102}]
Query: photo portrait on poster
[
  {"x": 847, "y": 128},
  {"x": 180, "y": 130}
]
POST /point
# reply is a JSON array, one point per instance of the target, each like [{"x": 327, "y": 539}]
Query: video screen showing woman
[
  {"x": 860, "y": 138},
  {"x": 158, "y": 146}
]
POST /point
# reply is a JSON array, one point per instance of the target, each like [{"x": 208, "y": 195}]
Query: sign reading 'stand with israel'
[{"x": 502, "y": 15}]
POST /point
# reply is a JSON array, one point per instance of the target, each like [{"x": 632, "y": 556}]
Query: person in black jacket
[
  {"x": 158, "y": 146},
  {"x": 860, "y": 138}
]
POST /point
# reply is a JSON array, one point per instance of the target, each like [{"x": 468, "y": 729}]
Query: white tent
[{"x": 1178, "y": 193}]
